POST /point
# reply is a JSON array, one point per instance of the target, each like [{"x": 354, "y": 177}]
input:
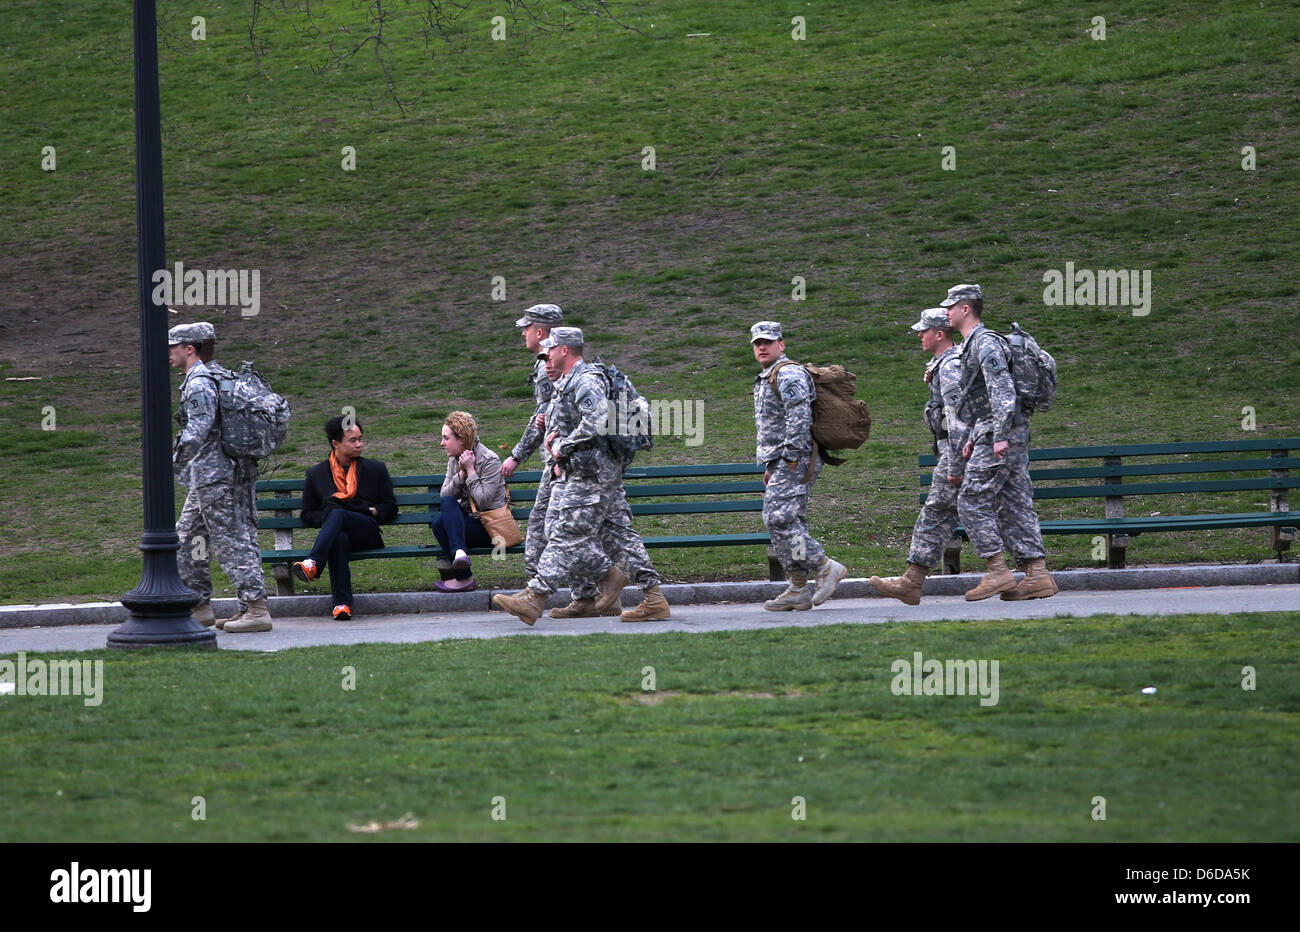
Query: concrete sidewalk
[
  {"x": 302, "y": 621},
  {"x": 406, "y": 603}
]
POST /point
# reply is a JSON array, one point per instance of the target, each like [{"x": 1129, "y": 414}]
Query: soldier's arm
[
  {"x": 797, "y": 399},
  {"x": 1001, "y": 387},
  {"x": 543, "y": 391},
  {"x": 201, "y": 413},
  {"x": 593, "y": 408},
  {"x": 950, "y": 389}
]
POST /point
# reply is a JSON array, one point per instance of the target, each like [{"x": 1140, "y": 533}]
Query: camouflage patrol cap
[
  {"x": 765, "y": 330},
  {"x": 931, "y": 318},
  {"x": 548, "y": 314},
  {"x": 563, "y": 336},
  {"x": 191, "y": 333},
  {"x": 959, "y": 293}
]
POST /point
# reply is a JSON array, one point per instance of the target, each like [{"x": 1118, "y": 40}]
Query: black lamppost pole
[{"x": 160, "y": 605}]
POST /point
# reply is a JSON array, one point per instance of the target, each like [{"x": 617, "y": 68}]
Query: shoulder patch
[{"x": 792, "y": 382}]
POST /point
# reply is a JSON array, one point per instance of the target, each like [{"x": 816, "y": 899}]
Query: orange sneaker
[
  {"x": 342, "y": 612},
  {"x": 306, "y": 570}
]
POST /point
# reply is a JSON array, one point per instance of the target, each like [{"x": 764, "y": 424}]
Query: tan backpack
[{"x": 839, "y": 421}]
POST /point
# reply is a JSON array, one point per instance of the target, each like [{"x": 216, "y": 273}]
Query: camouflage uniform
[
  {"x": 579, "y": 497},
  {"x": 938, "y": 518},
  {"x": 620, "y": 541},
  {"x": 535, "y": 537},
  {"x": 783, "y": 421},
  {"x": 220, "y": 505},
  {"x": 996, "y": 501}
]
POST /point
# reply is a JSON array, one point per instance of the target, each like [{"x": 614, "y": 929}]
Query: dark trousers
[
  {"x": 457, "y": 530},
  {"x": 342, "y": 532}
]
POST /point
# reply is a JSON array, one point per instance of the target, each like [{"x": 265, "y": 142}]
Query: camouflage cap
[
  {"x": 191, "y": 333},
  {"x": 958, "y": 293},
  {"x": 563, "y": 336},
  {"x": 933, "y": 317},
  {"x": 548, "y": 314},
  {"x": 765, "y": 330}
]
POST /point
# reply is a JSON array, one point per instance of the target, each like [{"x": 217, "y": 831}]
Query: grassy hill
[{"x": 775, "y": 157}]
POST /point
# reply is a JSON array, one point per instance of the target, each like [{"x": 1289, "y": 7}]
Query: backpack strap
[
  {"x": 771, "y": 380},
  {"x": 771, "y": 376}
]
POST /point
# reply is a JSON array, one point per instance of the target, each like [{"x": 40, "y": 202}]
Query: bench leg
[
  {"x": 1279, "y": 539},
  {"x": 1117, "y": 549},
  {"x": 283, "y": 579},
  {"x": 952, "y": 556},
  {"x": 774, "y": 571}
]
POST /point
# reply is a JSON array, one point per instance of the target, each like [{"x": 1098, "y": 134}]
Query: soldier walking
[
  {"x": 575, "y": 420},
  {"x": 220, "y": 512},
  {"x": 996, "y": 500},
  {"x": 938, "y": 518},
  {"x": 783, "y": 421}
]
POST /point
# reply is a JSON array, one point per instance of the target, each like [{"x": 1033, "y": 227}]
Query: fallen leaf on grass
[{"x": 373, "y": 828}]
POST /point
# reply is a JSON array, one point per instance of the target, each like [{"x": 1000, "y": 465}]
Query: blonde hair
[{"x": 462, "y": 424}]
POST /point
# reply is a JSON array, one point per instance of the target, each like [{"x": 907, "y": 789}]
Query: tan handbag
[{"x": 499, "y": 523}]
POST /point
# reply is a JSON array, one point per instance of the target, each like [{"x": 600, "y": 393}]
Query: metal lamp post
[{"x": 160, "y": 605}]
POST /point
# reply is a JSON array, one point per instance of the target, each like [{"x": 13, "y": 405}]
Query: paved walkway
[{"x": 434, "y": 626}]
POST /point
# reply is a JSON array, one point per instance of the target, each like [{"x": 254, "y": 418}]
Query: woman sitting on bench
[{"x": 473, "y": 484}]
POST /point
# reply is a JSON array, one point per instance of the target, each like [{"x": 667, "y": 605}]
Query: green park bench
[
  {"x": 719, "y": 488},
  {"x": 1117, "y": 465}
]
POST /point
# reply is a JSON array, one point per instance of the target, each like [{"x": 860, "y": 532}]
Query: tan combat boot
[
  {"x": 611, "y": 590},
  {"x": 997, "y": 578},
  {"x": 203, "y": 614},
  {"x": 653, "y": 608},
  {"x": 827, "y": 576},
  {"x": 255, "y": 618},
  {"x": 797, "y": 597},
  {"x": 578, "y": 608},
  {"x": 905, "y": 588},
  {"x": 1037, "y": 584},
  {"x": 526, "y": 604}
]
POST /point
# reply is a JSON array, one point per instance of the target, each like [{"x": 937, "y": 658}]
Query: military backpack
[
  {"x": 627, "y": 428},
  {"x": 254, "y": 419},
  {"x": 1033, "y": 370},
  {"x": 839, "y": 421}
]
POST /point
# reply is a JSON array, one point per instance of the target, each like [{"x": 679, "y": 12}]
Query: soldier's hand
[
  {"x": 556, "y": 470},
  {"x": 541, "y": 419},
  {"x": 509, "y": 466},
  {"x": 767, "y": 474},
  {"x": 954, "y": 480},
  {"x": 929, "y": 374},
  {"x": 1000, "y": 448},
  {"x": 967, "y": 449}
]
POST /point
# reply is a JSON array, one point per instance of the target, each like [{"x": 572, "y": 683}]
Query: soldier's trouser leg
[
  {"x": 785, "y": 515},
  {"x": 194, "y": 557},
  {"x": 977, "y": 499},
  {"x": 535, "y": 533},
  {"x": 937, "y": 520},
  {"x": 234, "y": 543},
  {"x": 622, "y": 544},
  {"x": 572, "y": 556},
  {"x": 1017, "y": 520}
]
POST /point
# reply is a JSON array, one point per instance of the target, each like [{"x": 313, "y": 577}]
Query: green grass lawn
[
  {"x": 738, "y": 726},
  {"x": 821, "y": 158}
]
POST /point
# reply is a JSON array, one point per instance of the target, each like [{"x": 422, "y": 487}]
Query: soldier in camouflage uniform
[
  {"x": 574, "y": 421},
  {"x": 220, "y": 512},
  {"x": 938, "y": 518},
  {"x": 536, "y": 323},
  {"x": 783, "y": 420},
  {"x": 996, "y": 501}
]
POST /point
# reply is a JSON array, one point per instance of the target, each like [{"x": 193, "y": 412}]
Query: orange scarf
[{"x": 346, "y": 483}]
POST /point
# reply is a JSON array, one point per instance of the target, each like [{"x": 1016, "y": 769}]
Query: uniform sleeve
[
  {"x": 1001, "y": 387},
  {"x": 795, "y": 388},
  {"x": 950, "y": 388},
  {"x": 592, "y": 407},
  {"x": 543, "y": 390},
  {"x": 201, "y": 412}
]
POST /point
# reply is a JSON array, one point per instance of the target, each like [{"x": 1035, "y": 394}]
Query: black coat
[{"x": 374, "y": 487}]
